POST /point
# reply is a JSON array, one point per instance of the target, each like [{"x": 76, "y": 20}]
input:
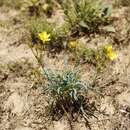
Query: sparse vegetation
[
  {"x": 86, "y": 15},
  {"x": 74, "y": 68},
  {"x": 68, "y": 94},
  {"x": 57, "y": 35}
]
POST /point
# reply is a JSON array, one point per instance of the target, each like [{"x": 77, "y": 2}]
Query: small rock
[
  {"x": 124, "y": 98},
  {"x": 107, "y": 106},
  {"x": 15, "y": 103}
]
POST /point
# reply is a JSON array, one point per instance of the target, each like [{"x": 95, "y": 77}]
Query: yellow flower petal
[
  {"x": 45, "y": 6},
  {"x": 112, "y": 56},
  {"x": 72, "y": 44},
  {"x": 44, "y": 37},
  {"x": 110, "y": 53},
  {"x": 108, "y": 48}
]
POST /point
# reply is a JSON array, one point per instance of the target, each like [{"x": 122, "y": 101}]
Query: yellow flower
[
  {"x": 44, "y": 37},
  {"x": 112, "y": 56},
  {"x": 108, "y": 48},
  {"x": 110, "y": 53},
  {"x": 72, "y": 44},
  {"x": 45, "y": 7}
]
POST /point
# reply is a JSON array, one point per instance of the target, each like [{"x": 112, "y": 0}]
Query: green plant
[
  {"x": 68, "y": 94},
  {"x": 99, "y": 57},
  {"x": 57, "y": 35},
  {"x": 37, "y": 26},
  {"x": 86, "y": 15},
  {"x": 87, "y": 54}
]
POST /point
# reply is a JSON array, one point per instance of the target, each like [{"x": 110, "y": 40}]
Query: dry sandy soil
[{"x": 22, "y": 107}]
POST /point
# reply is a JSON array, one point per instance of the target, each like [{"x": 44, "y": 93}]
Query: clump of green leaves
[
  {"x": 68, "y": 94},
  {"x": 65, "y": 85},
  {"x": 58, "y": 35},
  {"x": 86, "y": 54},
  {"x": 86, "y": 15},
  {"x": 99, "y": 57}
]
